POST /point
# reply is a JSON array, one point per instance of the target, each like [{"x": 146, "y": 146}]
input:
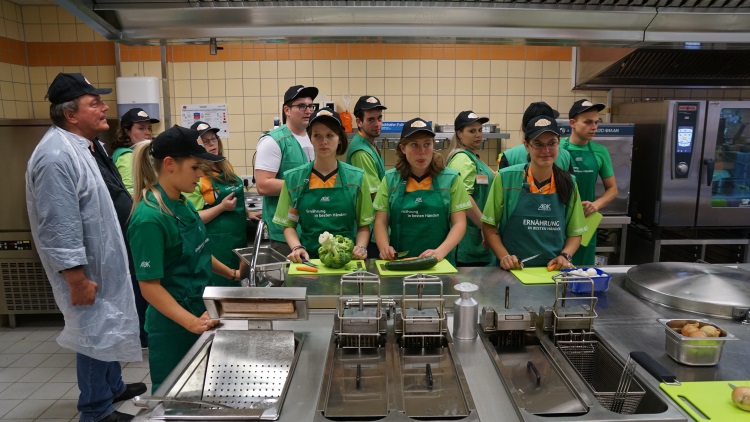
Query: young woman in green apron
[
  {"x": 590, "y": 161},
  {"x": 477, "y": 178},
  {"x": 422, "y": 202},
  {"x": 533, "y": 209},
  {"x": 220, "y": 201},
  {"x": 135, "y": 126},
  {"x": 168, "y": 239},
  {"x": 325, "y": 194}
]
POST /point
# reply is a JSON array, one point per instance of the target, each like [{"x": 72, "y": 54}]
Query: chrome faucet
[{"x": 256, "y": 249}]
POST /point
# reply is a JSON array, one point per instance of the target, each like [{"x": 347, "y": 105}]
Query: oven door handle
[{"x": 709, "y": 162}]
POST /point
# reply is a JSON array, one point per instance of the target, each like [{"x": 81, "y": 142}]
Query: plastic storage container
[
  {"x": 694, "y": 351},
  {"x": 601, "y": 281}
]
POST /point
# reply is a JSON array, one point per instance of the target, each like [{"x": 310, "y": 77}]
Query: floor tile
[
  {"x": 6, "y": 359},
  {"x": 58, "y": 360},
  {"x": 4, "y": 385},
  {"x": 13, "y": 374},
  {"x": 65, "y": 375},
  {"x": 48, "y": 347},
  {"x": 73, "y": 393},
  {"x": 53, "y": 390},
  {"x": 62, "y": 409},
  {"x": 23, "y": 346},
  {"x": 40, "y": 374},
  {"x": 51, "y": 420},
  {"x": 29, "y": 360},
  {"x": 20, "y": 390},
  {"x": 43, "y": 334},
  {"x": 134, "y": 374},
  {"x": 15, "y": 335},
  {"x": 128, "y": 407},
  {"x": 7, "y": 405},
  {"x": 29, "y": 409},
  {"x": 141, "y": 364}
]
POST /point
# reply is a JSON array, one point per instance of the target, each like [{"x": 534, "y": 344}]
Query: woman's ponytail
[
  {"x": 563, "y": 183},
  {"x": 145, "y": 177}
]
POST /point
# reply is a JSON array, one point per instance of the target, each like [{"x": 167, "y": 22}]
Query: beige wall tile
[
  {"x": 6, "y": 74},
  {"x": 6, "y": 91},
  {"x": 64, "y": 17},
  {"x": 286, "y": 69},
  {"x": 375, "y": 86},
  {"x": 182, "y": 89},
  {"x": 68, "y": 32},
  {"x": 10, "y": 11},
  {"x": 499, "y": 68},
  {"x": 198, "y": 70},
  {"x": 410, "y": 105},
  {"x": 446, "y": 68},
  {"x": 410, "y": 86},
  {"x": 270, "y": 106},
  {"x": 481, "y": 68},
  {"x": 84, "y": 33},
  {"x": 30, "y": 14},
  {"x": 128, "y": 69},
  {"x": 481, "y": 86},
  {"x": 428, "y": 104},
  {"x": 48, "y": 14},
  {"x": 516, "y": 68},
  {"x": 549, "y": 87},
  {"x": 481, "y": 104},
  {"x": 153, "y": 69},
  {"x": 499, "y": 86},
  {"x": 393, "y": 68},
  {"x": 233, "y": 70},
  {"x": 533, "y": 69},
  {"x": 464, "y": 86},
  {"x": 40, "y": 109},
  {"x": 446, "y": 86},
  {"x": 303, "y": 68},
  {"x": 393, "y": 86},
  {"x": 354, "y": 68},
  {"x": 321, "y": 68},
  {"x": 217, "y": 88},
  {"x": 565, "y": 69},
  {"x": 33, "y": 32},
  {"x": 282, "y": 84},
  {"x": 268, "y": 88},
  {"x": 375, "y": 68},
  {"x": 464, "y": 68},
  {"x": 3, "y": 32},
  {"x": 323, "y": 84},
  {"x": 445, "y": 105},
  {"x": 498, "y": 105},
  {"x": 20, "y": 73},
  {"x": 357, "y": 86},
  {"x": 106, "y": 74},
  {"x": 251, "y": 69},
  {"x": 9, "y": 108},
  {"x": 393, "y": 102},
  {"x": 13, "y": 31},
  {"x": 216, "y": 71},
  {"x": 463, "y": 102},
  {"x": 516, "y": 86},
  {"x": 428, "y": 68},
  {"x": 428, "y": 86},
  {"x": 411, "y": 68},
  {"x": 37, "y": 75},
  {"x": 250, "y": 87},
  {"x": 533, "y": 86},
  {"x": 181, "y": 71}
]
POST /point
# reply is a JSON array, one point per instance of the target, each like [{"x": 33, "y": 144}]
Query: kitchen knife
[
  {"x": 307, "y": 262},
  {"x": 529, "y": 258},
  {"x": 401, "y": 254}
]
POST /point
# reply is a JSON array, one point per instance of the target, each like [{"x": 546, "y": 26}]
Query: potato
[
  {"x": 741, "y": 398},
  {"x": 710, "y": 331},
  {"x": 687, "y": 329},
  {"x": 698, "y": 333}
]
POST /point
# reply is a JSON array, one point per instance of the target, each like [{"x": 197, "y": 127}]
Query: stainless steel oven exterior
[{"x": 673, "y": 183}]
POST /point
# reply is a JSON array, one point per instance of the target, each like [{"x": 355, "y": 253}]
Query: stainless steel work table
[{"x": 625, "y": 323}]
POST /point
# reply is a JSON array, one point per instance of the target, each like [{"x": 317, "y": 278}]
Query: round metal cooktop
[{"x": 701, "y": 288}]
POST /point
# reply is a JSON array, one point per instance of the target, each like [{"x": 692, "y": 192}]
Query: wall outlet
[{"x": 247, "y": 180}]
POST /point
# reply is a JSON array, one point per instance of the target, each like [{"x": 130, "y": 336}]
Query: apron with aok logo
[
  {"x": 587, "y": 172},
  {"x": 227, "y": 230}
]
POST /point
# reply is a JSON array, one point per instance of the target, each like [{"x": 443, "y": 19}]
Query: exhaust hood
[{"x": 631, "y": 28}]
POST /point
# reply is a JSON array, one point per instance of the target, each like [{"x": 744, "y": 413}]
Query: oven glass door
[{"x": 725, "y": 192}]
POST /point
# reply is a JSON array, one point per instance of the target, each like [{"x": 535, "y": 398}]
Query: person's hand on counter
[
  {"x": 558, "y": 263},
  {"x": 510, "y": 262},
  {"x": 434, "y": 253},
  {"x": 255, "y": 215},
  {"x": 202, "y": 324},
  {"x": 359, "y": 252},
  {"x": 298, "y": 254},
  {"x": 388, "y": 253}
]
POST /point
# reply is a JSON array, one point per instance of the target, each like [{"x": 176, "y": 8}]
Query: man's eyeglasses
[
  {"x": 303, "y": 107},
  {"x": 210, "y": 140},
  {"x": 540, "y": 146}
]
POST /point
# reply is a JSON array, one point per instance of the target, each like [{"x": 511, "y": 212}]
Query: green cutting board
[
  {"x": 535, "y": 275},
  {"x": 353, "y": 265},
  {"x": 712, "y": 398},
  {"x": 592, "y": 222},
  {"x": 442, "y": 267}
]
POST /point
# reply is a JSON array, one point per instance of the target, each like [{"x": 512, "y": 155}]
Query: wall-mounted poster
[{"x": 213, "y": 114}]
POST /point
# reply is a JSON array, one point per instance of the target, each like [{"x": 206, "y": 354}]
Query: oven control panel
[
  {"x": 684, "y": 139},
  {"x": 15, "y": 245}
]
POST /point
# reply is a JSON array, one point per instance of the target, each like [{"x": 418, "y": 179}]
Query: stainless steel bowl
[{"x": 694, "y": 351}]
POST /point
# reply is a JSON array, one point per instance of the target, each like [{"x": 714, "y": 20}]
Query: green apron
[
  {"x": 535, "y": 226},
  {"x": 586, "y": 170},
  {"x": 168, "y": 341},
  {"x": 227, "y": 230},
  {"x": 470, "y": 249},
  {"x": 335, "y": 212},
  {"x": 359, "y": 143},
  {"x": 292, "y": 155},
  {"x": 419, "y": 220}
]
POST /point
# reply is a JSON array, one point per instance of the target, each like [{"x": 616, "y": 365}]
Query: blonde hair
[
  {"x": 437, "y": 164},
  {"x": 145, "y": 176},
  {"x": 221, "y": 166}
]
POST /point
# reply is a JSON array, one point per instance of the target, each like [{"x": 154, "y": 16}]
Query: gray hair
[{"x": 57, "y": 111}]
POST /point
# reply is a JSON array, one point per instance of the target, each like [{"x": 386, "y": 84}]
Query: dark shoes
[
  {"x": 117, "y": 417},
  {"x": 131, "y": 390}
]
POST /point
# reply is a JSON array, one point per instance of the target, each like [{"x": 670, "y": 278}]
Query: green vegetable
[
  {"x": 412, "y": 264},
  {"x": 335, "y": 251}
]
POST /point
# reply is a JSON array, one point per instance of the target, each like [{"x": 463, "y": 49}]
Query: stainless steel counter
[{"x": 625, "y": 323}]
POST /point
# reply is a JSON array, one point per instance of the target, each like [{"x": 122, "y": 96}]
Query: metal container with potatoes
[{"x": 694, "y": 351}]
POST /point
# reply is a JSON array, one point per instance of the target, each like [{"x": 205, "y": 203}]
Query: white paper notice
[{"x": 213, "y": 114}]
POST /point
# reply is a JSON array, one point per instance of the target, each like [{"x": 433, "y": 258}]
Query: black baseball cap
[
  {"x": 416, "y": 125},
  {"x": 538, "y": 108},
  {"x": 582, "y": 106},
  {"x": 203, "y": 127},
  {"x": 324, "y": 114},
  {"x": 178, "y": 141},
  {"x": 300, "y": 91},
  {"x": 368, "y": 102},
  {"x": 135, "y": 115},
  {"x": 540, "y": 124},
  {"x": 69, "y": 86},
  {"x": 466, "y": 118}
]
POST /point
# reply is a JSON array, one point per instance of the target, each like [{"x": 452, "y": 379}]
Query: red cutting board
[{"x": 712, "y": 398}]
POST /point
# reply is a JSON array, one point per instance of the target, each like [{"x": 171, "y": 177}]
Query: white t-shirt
[{"x": 268, "y": 156}]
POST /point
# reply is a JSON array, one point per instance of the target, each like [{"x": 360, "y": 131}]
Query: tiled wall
[{"x": 434, "y": 82}]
